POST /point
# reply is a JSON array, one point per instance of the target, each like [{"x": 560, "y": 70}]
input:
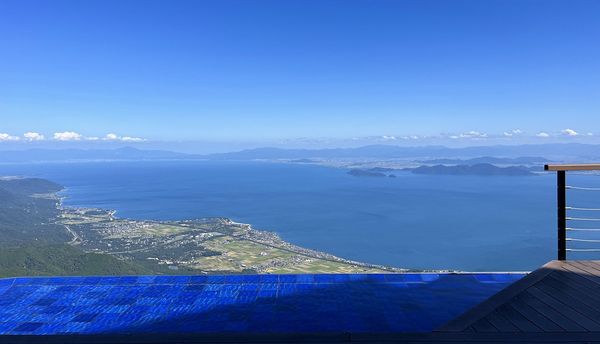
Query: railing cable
[
  {"x": 582, "y": 240},
  {"x": 563, "y": 220},
  {"x": 582, "y": 219},
  {"x": 583, "y": 209},
  {"x": 581, "y": 188},
  {"x": 583, "y": 229}
]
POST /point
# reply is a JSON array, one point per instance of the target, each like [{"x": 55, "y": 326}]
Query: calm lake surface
[{"x": 471, "y": 223}]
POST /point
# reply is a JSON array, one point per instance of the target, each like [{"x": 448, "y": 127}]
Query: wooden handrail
[{"x": 572, "y": 167}]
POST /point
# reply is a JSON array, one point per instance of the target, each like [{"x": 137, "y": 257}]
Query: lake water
[{"x": 471, "y": 223}]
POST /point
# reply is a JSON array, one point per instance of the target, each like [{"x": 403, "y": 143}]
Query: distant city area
[{"x": 210, "y": 245}]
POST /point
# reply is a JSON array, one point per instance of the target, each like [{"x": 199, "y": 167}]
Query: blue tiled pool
[{"x": 247, "y": 303}]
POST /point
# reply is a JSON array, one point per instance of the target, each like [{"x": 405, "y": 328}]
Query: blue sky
[{"x": 305, "y": 71}]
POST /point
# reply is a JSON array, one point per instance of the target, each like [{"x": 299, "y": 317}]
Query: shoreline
[
  {"x": 265, "y": 238},
  {"x": 252, "y": 234}
]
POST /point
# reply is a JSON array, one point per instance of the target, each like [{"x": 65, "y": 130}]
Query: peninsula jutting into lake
[
  {"x": 67, "y": 240},
  {"x": 377, "y": 220}
]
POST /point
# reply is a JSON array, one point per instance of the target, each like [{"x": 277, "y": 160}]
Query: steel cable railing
[
  {"x": 571, "y": 229},
  {"x": 576, "y": 222},
  {"x": 581, "y": 219},
  {"x": 581, "y": 188},
  {"x": 583, "y": 229},
  {"x": 583, "y": 209}
]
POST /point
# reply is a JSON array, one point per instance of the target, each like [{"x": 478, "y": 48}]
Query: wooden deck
[{"x": 562, "y": 297}]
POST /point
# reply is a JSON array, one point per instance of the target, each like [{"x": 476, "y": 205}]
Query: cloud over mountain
[
  {"x": 73, "y": 136},
  {"x": 513, "y": 132},
  {"x": 31, "y": 136},
  {"x": 569, "y": 132},
  {"x": 469, "y": 135},
  {"x": 67, "y": 136},
  {"x": 8, "y": 137},
  {"x": 115, "y": 137}
]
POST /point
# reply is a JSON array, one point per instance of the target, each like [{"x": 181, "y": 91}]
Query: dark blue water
[{"x": 414, "y": 221}]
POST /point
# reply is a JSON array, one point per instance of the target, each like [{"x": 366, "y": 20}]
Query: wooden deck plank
[
  {"x": 558, "y": 318},
  {"x": 580, "y": 293},
  {"x": 481, "y": 310},
  {"x": 578, "y": 282},
  {"x": 483, "y": 325},
  {"x": 517, "y": 319},
  {"x": 587, "y": 268},
  {"x": 500, "y": 321},
  {"x": 562, "y": 306},
  {"x": 595, "y": 263},
  {"x": 562, "y": 296},
  {"x": 568, "y": 297},
  {"x": 537, "y": 318},
  {"x": 592, "y": 264},
  {"x": 591, "y": 282},
  {"x": 579, "y": 272},
  {"x": 590, "y": 270}
]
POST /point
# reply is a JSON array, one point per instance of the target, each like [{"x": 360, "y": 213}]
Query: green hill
[
  {"x": 62, "y": 260},
  {"x": 27, "y": 219},
  {"x": 31, "y": 243},
  {"x": 29, "y": 186}
]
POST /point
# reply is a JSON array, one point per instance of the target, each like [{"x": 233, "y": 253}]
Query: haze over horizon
[{"x": 226, "y": 146}]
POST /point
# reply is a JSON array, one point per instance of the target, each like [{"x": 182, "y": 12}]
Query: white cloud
[
  {"x": 115, "y": 137},
  {"x": 7, "y": 137},
  {"x": 569, "y": 132},
  {"x": 67, "y": 136},
  {"x": 542, "y": 134},
  {"x": 388, "y": 137},
  {"x": 470, "y": 135},
  {"x": 132, "y": 139},
  {"x": 513, "y": 132},
  {"x": 31, "y": 136},
  {"x": 111, "y": 137}
]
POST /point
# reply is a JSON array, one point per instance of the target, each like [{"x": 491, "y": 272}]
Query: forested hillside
[{"x": 32, "y": 243}]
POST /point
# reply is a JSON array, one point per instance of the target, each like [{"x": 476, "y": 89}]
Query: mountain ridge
[{"x": 549, "y": 151}]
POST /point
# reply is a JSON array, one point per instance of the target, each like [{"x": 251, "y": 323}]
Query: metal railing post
[{"x": 562, "y": 214}]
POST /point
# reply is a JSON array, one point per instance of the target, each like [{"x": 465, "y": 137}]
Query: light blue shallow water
[{"x": 431, "y": 222}]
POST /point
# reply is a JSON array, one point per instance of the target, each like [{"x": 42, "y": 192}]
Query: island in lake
[{"x": 372, "y": 172}]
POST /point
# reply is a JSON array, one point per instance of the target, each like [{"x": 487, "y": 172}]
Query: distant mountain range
[
  {"x": 477, "y": 169},
  {"x": 488, "y": 160},
  {"x": 547, "y": 151},
  {"x": 126, "y": 153},
  {"x": 516, "y": 154}
]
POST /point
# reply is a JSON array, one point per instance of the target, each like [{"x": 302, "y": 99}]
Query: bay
[{"x": 472, "y": 223}]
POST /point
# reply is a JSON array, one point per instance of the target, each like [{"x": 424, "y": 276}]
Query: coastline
[{"x": 80, "y": 220}]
